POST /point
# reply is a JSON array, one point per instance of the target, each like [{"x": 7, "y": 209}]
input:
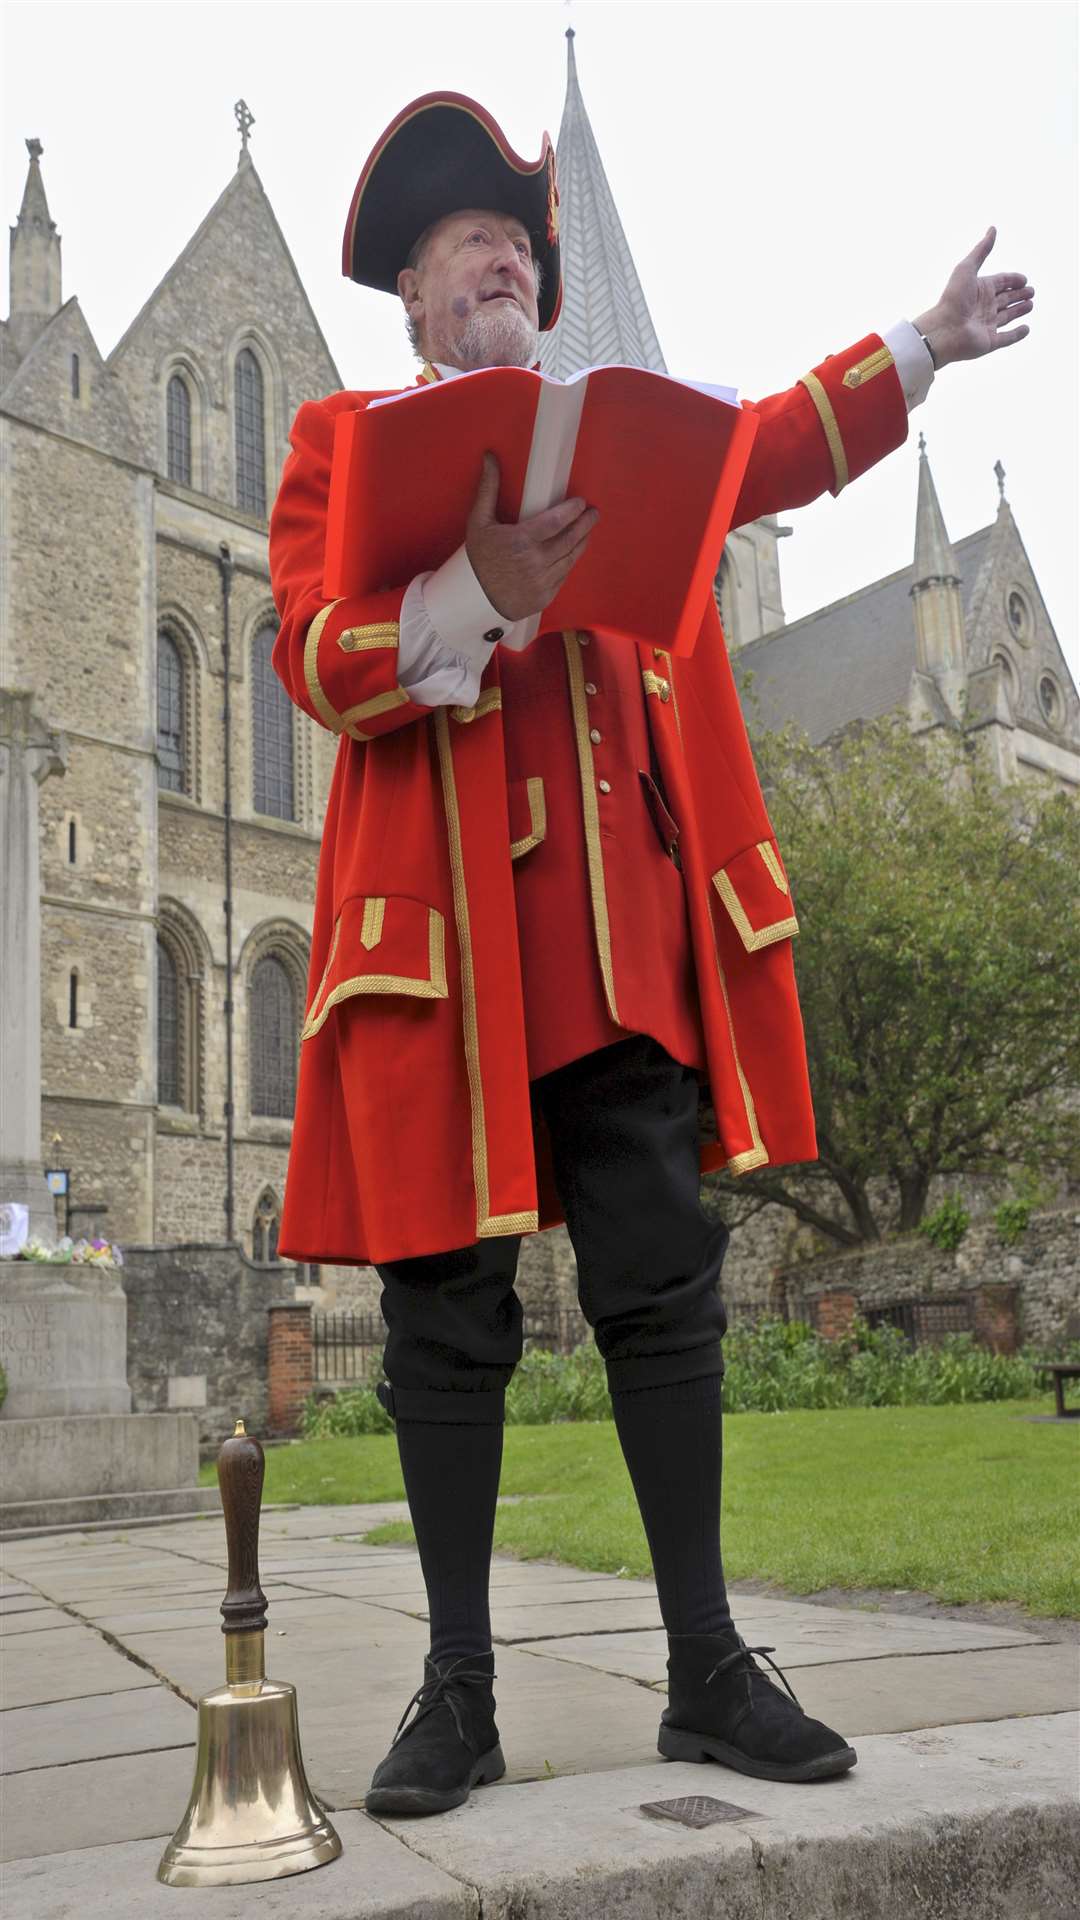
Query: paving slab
[
  {"x": 286, "y": 1606},
  {"x": 798, "y": 1636},
  {"x": 375, "y": 1878},
  {"x": 892, "y": 1696},
  {"x": 42, "y": 1620},
  {"x": 65, "y": 1666},
  {"x": 106, "y": 1723},
  {"x": 55, "y": 1809},
  {"x": 945, "y": 1824},
  {"x": 512, "y": 1620},
  {"x": 334, "y": 1650}
]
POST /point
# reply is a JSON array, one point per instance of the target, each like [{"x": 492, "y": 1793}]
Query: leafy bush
[
  {"x": 1011, "y": 1220},
  {"x": 947, "y": 1225},
  {"x": 776, "y": 1365}
]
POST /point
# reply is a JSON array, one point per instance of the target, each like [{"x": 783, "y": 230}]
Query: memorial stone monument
[{"x": 71, "y": 1450}]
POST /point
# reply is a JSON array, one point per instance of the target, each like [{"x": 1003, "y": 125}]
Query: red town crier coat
[{"x": 413, "y": 1131}]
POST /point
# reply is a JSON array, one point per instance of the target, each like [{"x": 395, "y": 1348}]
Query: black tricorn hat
[{"x": 444, "y": 152}]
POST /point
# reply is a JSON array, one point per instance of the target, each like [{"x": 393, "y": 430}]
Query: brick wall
[
  {"x": 1020, "y": 1295},
  {"x": 290, "y": 1369}
]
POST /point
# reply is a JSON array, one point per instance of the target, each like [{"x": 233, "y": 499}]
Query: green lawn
[{"x": 969, "y": 1503}]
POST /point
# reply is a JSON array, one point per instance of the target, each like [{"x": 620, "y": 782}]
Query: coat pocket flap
[
  {"x": 754, "y": 889},
  {"x": 381, "y": 944},
  {"x": 528, "y": 815}
]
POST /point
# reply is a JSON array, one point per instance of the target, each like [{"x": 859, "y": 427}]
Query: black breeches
[{"x": 624, "y": 1130}]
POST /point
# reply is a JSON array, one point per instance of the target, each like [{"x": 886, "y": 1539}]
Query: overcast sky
[{"x": 790, "y": 177}]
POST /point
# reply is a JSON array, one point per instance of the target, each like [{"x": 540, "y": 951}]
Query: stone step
[{"x": 22, "y": 1519}]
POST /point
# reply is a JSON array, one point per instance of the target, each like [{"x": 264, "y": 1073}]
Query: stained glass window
[
  {"x": 271, "y": 733},
  {"x": 168, "y": 1028},
  {"x": 272, "y": 1039},
  {"x": 170, "y": 714},
  {"x": 178, "y": 430},
  {"x": 250, "y": 435}
]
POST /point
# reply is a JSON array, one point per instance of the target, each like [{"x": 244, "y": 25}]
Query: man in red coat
[{"x": 550, "y": 907}]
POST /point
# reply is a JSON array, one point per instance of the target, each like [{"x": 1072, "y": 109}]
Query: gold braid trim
[
  {"x": 489, "y": 702},
  {"x": 866, "y": 369},
  {"x": 752, "y": 938},
  {"x": 832, "y": 432},
  {"x": 468, "y": 972},
  {"x": 591, "y": 811},
  {"x": 382, "y": 633},
  {"x": 773, "y": 867},
  {"x": 434, "y": 988},
  {"x": 327, "y": 714},
  {"x": 534, "y": 787}
]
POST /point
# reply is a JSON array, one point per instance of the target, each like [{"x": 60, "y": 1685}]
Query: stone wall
[
  {"x": 1026, "y": 1294},
  {"x": 198, "y": 1334}
]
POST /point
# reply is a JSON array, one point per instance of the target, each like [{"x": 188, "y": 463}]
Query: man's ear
[{"x": 408, "y": 286}]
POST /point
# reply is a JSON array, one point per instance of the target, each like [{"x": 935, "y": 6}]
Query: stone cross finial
[
  {"x": 922, "y": 443},
  {"x": 245, "y": 120},
  {"x": 1000, "y": 473},
  {"x": 35, "y": 149}
]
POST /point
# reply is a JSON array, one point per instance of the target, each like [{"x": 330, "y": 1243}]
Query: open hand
[
  {"x": 971, "y": 314},
  {"x": 522, "y": 567}
]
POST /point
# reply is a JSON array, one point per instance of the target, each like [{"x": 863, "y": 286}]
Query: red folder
[{"x": 661, "y": 459}]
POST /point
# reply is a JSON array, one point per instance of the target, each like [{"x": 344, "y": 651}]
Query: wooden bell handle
[{"x": 241, "y": 1466}]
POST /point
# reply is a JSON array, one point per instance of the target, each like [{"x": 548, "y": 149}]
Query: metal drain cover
[{"x": 697, "y": 1810}]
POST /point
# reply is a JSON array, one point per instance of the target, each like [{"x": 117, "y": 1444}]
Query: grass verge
[{"x": 968, "y": 1503}]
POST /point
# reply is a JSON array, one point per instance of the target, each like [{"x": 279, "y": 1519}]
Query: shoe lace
[
  {"x": 436, "y": 1689},
  {"x": 743, "y": 1652}
]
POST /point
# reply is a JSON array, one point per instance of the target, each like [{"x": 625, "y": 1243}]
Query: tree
[{"x": 938, "y": 963}]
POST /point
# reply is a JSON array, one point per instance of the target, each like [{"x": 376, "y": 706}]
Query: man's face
[{"x": 473, "y": 294}]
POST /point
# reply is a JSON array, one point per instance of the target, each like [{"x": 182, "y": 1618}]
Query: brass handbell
[{"x": 252, "y": 1815}]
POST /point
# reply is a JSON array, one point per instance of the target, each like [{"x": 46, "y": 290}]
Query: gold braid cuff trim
[
  {"x": 832, "y": 432},
  {"x": 591, "y": 811},
  {"x": 752, "y": 938},
  {"x": 434, "y": 988},
  {"x": 866, "y": 369},
  {"x": 327, "y": 714},
  {"x": 534, "y": 787},
  {"x": 360, "y": 639},
  {"x": 489, "y": 702},
  {"x": 368, "y": 709},
  {"x": 384, "y": 633},
  {"x": 746, "y": 1162}
]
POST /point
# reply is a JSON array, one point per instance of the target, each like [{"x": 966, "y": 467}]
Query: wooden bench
[{"x": 1060, "y": 1371}]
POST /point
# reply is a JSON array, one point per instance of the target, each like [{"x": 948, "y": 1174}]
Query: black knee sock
[
  {"x": 671, "y": 1441},
  {"x": 452, "y": 1480}
]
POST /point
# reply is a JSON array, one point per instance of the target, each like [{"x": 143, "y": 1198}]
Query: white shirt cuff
[
  {"x": 913, "y": 362},
  {"x": 431, "y": 672}
]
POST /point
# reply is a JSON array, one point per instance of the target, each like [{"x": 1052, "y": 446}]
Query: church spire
[
  {"x": 939, "y": 608},
  {"x": 35, "y": 259},
  {"x": 604, "y": 316}
]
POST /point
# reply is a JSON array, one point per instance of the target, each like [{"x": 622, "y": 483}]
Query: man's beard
[{"x": 496, "y": 336}]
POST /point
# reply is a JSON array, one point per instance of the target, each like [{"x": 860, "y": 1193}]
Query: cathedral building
[{"x": 178, "y": 850}]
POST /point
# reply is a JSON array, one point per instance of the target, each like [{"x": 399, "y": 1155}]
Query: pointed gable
[
  {"x": 64, "y": 385},
  {"x": 604, "y": 316},
  {"x": 1009, "y": 620},
  {"x": 234, "y": 284}
]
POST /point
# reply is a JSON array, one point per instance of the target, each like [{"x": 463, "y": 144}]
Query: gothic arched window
[
  {"x": 272, "y": 1039},
  {"x": 178, "y": 430},
  {"x": 265, "y": 1228},
  {"x": 169, "y": 1046},
  {"x": 271, "y": 733},
  {"x": 170, "y": 714},
  {"x": 250, "y": 435}
]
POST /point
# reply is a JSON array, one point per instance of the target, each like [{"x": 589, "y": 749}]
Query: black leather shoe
[
  {"x": 450, "y": 1747},
  {"x": 722, "y": 1706}
]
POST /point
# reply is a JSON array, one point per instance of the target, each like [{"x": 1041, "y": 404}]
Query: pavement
[{"x": 964, "y": 1801}]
